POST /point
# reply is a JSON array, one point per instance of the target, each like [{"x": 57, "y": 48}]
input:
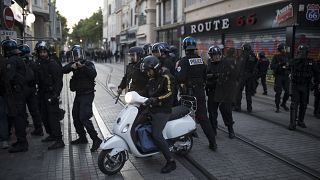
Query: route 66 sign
[{"x": 313, "y": 13}]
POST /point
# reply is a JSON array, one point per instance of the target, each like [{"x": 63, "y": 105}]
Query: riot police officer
[
  {"x": 161, "y": 51},
  {"x": 16, "y": 76},
  {"x": 147, "y": 49},
  {"x": 82, "y": 82},
  {"x": 134, "y": 79},
  {"x": 221, "y": 82},
  {"x": 4, "y": 89},
  {"x": 302, "y": 69},
  {"x": 280, "y": 67},
  {"x": 262, "y": 66},
  {"x": 50, "y": 86},
  {"x": 160, "y": 102},
  {"x": 316, "y": 89},
  {"x": 31, "y": 90},
  {"x": 248, "y": 70},
  {"x": 191, "y": 74}
]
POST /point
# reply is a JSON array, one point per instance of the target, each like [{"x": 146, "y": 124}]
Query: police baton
[{"x": 117, "y": 98}]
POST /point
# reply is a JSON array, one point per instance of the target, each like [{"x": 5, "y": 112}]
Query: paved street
[{"x": 264, "y": 149}]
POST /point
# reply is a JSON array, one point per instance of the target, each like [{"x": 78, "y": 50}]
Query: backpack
[{"x": 145, "y": 143}]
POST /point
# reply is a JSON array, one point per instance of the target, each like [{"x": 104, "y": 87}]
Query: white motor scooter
[{"x": 178, "y": 132}]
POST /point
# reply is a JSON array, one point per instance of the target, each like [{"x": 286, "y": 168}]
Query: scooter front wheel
[{"x": 111, "y": 164}]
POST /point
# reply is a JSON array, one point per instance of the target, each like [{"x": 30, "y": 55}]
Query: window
[
  {"x": 167, "y": 12},
  {"x": 37, "y": 3},
  {"x": 131, "y": 17},
  {"x": 175, "y": 10}
]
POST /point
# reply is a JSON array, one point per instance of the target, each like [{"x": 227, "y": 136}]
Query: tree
[
  {"x": 88, "y": 30},
  {"x": 64, "y": 28}
]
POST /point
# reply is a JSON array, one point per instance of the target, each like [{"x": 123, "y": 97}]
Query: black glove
[
  {"x": 151, "y": 101},
  {"x": 54, "y": 99}
]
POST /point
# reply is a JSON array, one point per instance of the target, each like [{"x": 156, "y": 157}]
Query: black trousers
[
  {"x": 225, "y": 109},
  {"x": 299, "y": 98},
  {"x": 316, "y": 100},
  {"x": 159, "y": 121},
  {"x": 19, "y": 121},
  {"x": 281, "y": 82},
  {"x": 248, "y": 85},
  {"x": 263, "y": 79},
  {"x": 81, "y": 113},
  {"x": 49, "y": 115},
  {"x": 33, "y": 106}
]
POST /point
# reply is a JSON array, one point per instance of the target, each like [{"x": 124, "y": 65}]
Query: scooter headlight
[
  {"x": 125, "y": 129},
  {"x": 128, "y": 97}
]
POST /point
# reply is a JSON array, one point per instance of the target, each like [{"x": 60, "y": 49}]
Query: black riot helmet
[
  {"x": 189, "y": 43},
  {"x": 77, "y": 53},
  {"x": 161, "y": 48},
  {"x": 281, "y": 47},
  {"x": 215, "y": 53},
  {"x": 42, "y": 45},
  {"x": 302, "y": 51},
  {"x": 147, "y": 49},
  {"x": 261, "y": 54},
  {"x": 246, "y": 47},
  {"x": 173, "y": 49},
  {"x": 136, "y": 53},
  {"x": 24, "y": 48},
  {"x": 150, "y": 63},
  {"x": 9, "y": 47},
  {"x": 215, "y": 50}
]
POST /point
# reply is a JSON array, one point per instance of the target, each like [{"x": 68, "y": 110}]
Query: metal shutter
[
  {"x": 311, "y": 39},
  {"x": 266, "y": 41}
]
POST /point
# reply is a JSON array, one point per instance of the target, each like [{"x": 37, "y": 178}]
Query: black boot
[
  {"x": 249, "y": 108},
  {"x": 48, "y": 139},
  {"x": 301, "y": 124},
  {"x": 285, "y": 107},
  {"x": 231, "y": 132},
  {"x": 170, "y": 166},
  {"x": 80, "y": 140},
  {"x": 213, "y": 145},
  {"x": 18, "y": 147},
  {"x": 58, "y": 144},
  {"x": 293, "y": 115},
  {"x": 37, "y": 132},
  {"x": 96, "y": 144},
  {"x": 277, "y": 109}
]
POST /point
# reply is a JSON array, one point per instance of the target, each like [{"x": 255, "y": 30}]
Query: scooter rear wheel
[
  {"x": 185, "y": 150},
  {"x": 111, "y": 165}
]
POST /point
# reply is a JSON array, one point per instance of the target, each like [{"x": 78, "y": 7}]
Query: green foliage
[
  {"x": 89, "y": 30},
  {"x": 65, "y": 29}
]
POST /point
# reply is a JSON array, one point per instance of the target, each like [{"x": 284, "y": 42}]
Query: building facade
[{"x": 263, "y": 24}]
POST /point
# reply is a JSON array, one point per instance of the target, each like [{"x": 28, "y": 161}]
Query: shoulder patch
[
  {"x": 195, "y": 61},
  {"x": 179, "y": 69}
]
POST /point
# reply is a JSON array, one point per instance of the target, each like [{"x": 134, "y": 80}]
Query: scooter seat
[{"x": 178, "y": 112}]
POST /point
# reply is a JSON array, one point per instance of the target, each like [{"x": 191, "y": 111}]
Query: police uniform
[
  {"x": 262, "y": 66},
  {"x": 280, "y": 67},
  {"x": 220, "y": 87},
  {"x": 247, "y": 69},
  {"x": 302, "y": 71},
  {"x": 83, "y": 82},
  {"x": 50, "y": 86},
  {"x": 191, "y": 72},
  {"x": 32, "y": 96},
  {"x": 134, "y": 79},
  {"x": 16, "y": 76},
  {"x": 316, "y": 88}
]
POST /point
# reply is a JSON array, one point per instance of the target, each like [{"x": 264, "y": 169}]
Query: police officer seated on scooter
[
  {"x": 134, "y": 79},
  {"x": 160, "y": 103}
]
